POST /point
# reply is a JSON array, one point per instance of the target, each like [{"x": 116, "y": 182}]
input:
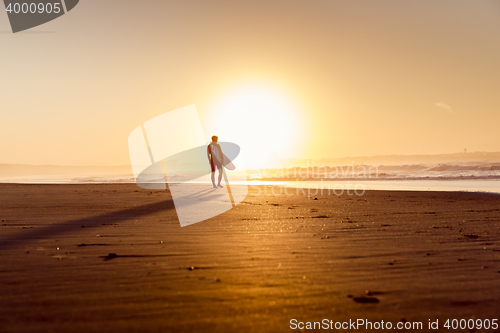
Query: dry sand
[{"x": 422, "y": 255}]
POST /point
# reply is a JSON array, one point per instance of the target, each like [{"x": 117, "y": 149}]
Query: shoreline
[{"x": 467, "y": 185}]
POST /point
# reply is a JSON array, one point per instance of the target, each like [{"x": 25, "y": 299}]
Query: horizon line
[{"x": 286, "y": 158}]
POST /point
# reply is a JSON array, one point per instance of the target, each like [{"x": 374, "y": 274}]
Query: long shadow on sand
[{"x": 94, "y": 221}]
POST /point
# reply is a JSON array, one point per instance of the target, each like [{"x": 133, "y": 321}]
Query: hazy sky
[{"x": 306, "y": 79}]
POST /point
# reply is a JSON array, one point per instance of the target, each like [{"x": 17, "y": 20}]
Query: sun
[{"x": 263, "y": 121}]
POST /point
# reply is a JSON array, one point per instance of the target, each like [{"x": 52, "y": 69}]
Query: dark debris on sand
[{"x": 365, "y": 299}]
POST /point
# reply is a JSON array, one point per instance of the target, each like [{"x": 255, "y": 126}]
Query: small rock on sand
[{"x": 111, "y": 256}]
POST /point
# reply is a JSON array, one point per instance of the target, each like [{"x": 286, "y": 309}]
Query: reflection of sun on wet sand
[{"x": 103, "y": 258}]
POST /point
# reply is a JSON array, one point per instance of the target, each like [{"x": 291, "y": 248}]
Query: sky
[{"x": 293, "y": 78}]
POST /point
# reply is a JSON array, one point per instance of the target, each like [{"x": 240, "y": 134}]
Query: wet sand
[{"x": 389, "y": 256}]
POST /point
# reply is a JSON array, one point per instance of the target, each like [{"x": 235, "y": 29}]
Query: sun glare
[{"x": 262, "y": 121}]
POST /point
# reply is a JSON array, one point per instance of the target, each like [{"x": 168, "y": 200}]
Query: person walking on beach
[{"x": 215, "y": 156}]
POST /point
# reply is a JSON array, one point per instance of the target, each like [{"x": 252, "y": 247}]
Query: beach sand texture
[{"x": 385, "y": 255}]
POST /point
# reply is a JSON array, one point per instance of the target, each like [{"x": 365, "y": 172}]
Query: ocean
[{"x": 469, "y": 176}]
